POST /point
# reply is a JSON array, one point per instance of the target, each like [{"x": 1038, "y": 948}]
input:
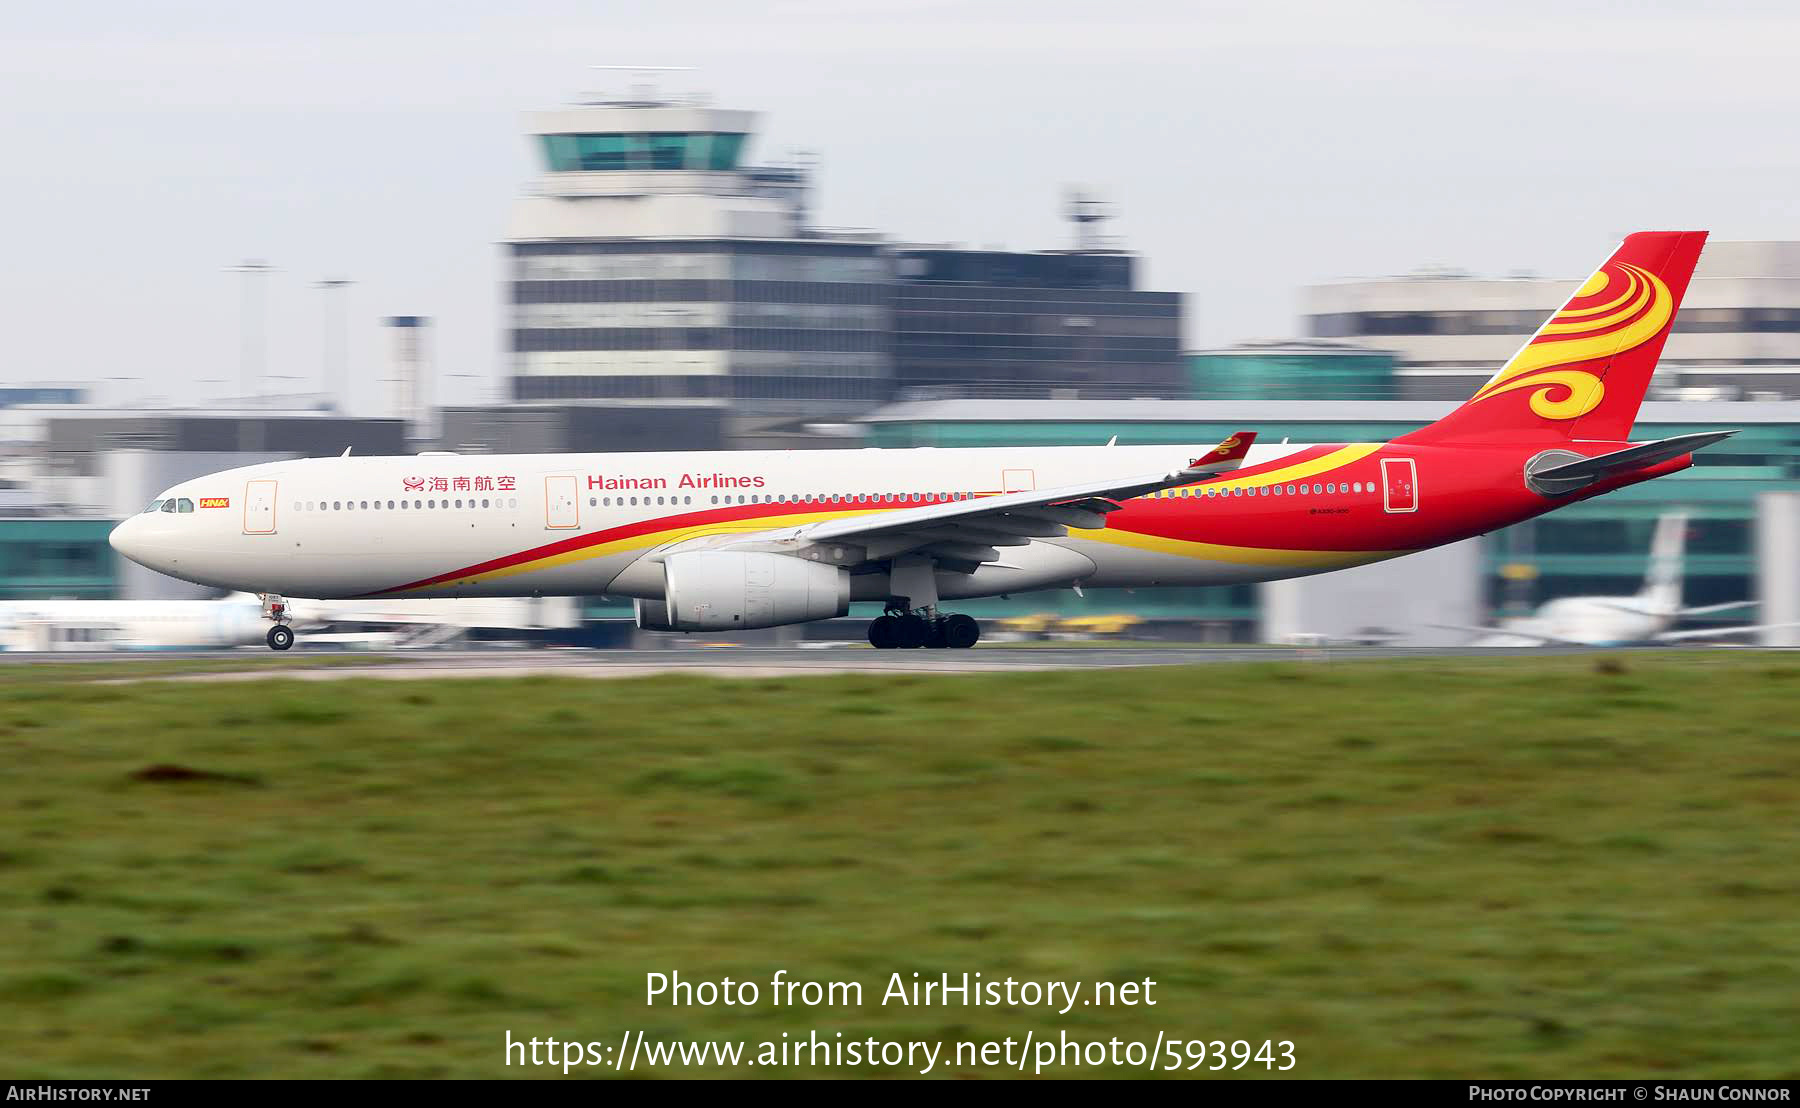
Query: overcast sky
[{"x": 1250, "y": 148}]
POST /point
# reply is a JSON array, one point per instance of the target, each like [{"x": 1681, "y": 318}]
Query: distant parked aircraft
[
  {"x": 1621, "y": 620},
  {"x": 237, "y": 620}
]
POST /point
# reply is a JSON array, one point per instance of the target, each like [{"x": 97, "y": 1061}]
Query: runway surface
[{"x": 724, "y": 661}]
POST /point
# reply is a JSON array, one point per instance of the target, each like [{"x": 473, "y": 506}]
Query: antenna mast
[{"x": 1085, "y": 209}]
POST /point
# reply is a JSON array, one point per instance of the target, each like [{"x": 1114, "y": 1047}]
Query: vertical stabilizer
[
  {"x": 1662, "y": 582},
  {"x": 1584, "y": 373}
]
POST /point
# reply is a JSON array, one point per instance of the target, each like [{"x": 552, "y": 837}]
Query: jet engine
[{"x": 727, "y": 590}]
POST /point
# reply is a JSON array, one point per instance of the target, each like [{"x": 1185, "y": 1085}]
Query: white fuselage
[
  {"x": 446, "y": 525},
  {"x": 1587, "y": 621}
]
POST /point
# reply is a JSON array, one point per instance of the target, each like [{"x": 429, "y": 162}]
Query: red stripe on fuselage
[{"x": 724, "y": 514}]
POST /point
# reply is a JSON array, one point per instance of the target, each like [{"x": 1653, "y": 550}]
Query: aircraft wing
[
  {"x": 1536, "y": 638},
  {"x": 970, "y": 531},
  {"x": 1711, "y": 608},
  {"x": 1721, "y": 632}
]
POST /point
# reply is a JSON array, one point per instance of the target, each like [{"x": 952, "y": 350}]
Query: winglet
[{"x": 1229, "y": 454}]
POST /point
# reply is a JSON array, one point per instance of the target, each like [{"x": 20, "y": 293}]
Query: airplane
[
  {"x": 727, "y": 541},
  {"x": 237, "y": 620},
  {"x": 1620, "y": 620},
  {"x": 43, "y": 625}
]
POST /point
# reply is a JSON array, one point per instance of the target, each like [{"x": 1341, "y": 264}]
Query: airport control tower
[{"x": 653, "y": 262}]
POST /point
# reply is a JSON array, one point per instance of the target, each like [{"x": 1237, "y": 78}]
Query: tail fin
[
  {"x": 1662, "y": 583},
  {"x": 1585, "y": 371}
]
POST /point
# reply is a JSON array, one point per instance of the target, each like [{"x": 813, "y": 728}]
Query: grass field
[{"x": 1521, "y": 866}]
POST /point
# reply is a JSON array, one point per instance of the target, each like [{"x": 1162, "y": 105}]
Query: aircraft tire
[
  {"x": 280, "y": 637},
  {"x": 882, "y": 633},
  {"x": 910, "y": 632},
  {"x": 961, "y": 632}
]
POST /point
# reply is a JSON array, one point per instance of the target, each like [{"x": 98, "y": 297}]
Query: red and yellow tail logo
[
  {"x": 1236, "y": 446},
  {"x": 1584, "y": 373},
  {"x": 1620, "y": 307},
  {"x": 215, "y": 502}
]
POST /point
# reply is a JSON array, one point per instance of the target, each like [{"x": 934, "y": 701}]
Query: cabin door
[
  {"x": 562, "y": 510},
  {"x": 259, "y": 508},
  {"x": 1399, "y": 485},
  {"x": 1018, "y": 480}
]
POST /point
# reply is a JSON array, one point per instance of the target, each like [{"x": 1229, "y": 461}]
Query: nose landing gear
[{"x": 280, "y": 636}]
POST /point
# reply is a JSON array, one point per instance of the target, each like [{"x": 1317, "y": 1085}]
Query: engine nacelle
[{"x": 727, "y": 590}]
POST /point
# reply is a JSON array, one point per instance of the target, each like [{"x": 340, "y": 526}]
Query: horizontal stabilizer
[
  {"x": 1635, "y": 457},
  {"x": 1566, "y": 477}
]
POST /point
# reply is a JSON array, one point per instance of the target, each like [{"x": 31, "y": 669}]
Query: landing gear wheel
[
  {"x": 934, "y": 635},
  {"x": 961, "y": 632},
  {"x": 910, "y": 632},
  {"x": 882, "y": 633},
  {"x": 280, "y": 637}
]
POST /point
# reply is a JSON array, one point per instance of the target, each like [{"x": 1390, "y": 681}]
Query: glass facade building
[
  {"x": 57, "y": 559},
  {"x": 701, "y": 320},
  {"x": 1298, "y": 370},
  {"x": 620, "y": 152},
  {"x": 999, "y": 323},
  {"x": 652, "y": 261}
]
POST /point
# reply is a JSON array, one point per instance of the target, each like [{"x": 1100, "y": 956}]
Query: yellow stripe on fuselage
[
  {"x": 643, "y": 542},
  {"x": 1239, "y": 554},
  {"x": 1324, "y": 463}
]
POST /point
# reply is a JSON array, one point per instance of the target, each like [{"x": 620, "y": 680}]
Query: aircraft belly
[
  {"x": 1038, "y": 565},
  {"x": 1119, "y": 565}
]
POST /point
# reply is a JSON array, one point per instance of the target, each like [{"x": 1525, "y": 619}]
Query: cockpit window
[
  {"x": 155, "y": 506},
  {"x": 169, "y": 504},
  {"x": 186, "y": 505}
]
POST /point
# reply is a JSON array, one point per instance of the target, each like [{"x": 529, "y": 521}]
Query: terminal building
[
  {"x": 1736, "y": 337},
  {"x": 655, "y": 262},
  {"x": 987, "y": 323}
]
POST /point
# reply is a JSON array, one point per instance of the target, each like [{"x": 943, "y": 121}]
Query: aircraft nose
[{"x": 128, "y": 539}]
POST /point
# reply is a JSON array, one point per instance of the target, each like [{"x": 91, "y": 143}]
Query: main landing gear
[
  {"x": 280, "y": 636},
  {"x": 912, "y": 630},
  {"x": 912, "y": 618}
]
